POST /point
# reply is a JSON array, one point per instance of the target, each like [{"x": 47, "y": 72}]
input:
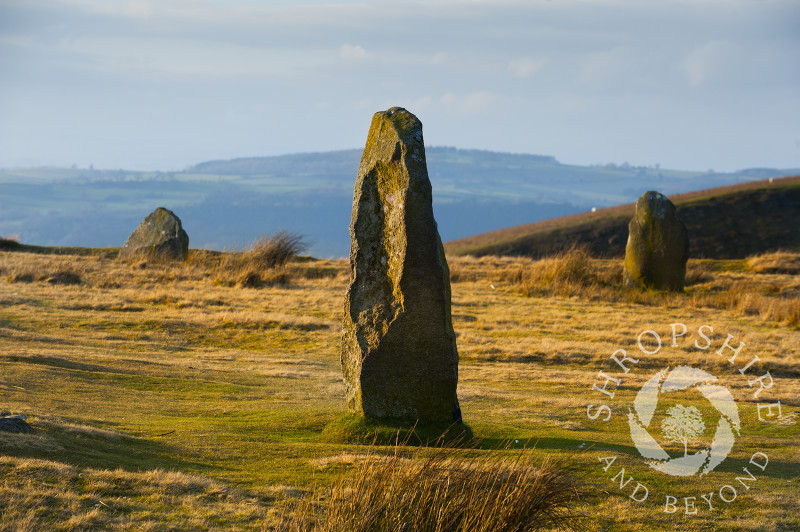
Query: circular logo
[{"x": 683, "y": 423}]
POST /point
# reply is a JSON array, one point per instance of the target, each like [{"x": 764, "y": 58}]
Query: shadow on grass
[
  {"x": 358, "y": 430},
  {"x": 86, "y": 446},
  {"x": 59, "y": 362},
  {"x": 353, "y": 429},
  {"x": 774, "y": 468}
]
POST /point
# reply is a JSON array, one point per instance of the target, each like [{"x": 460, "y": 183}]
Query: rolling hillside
[
  {"x": 225, "y": 204},
  {"x": 724, "y": 223}
]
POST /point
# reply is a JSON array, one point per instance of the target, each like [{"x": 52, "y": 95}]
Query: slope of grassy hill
[{"x": 725, "y": 223}]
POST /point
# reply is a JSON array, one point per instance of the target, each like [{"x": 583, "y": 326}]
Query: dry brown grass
[
  {"x": 159, "y": 368},
  {"x": 570, "y": 272},
  {"x": 773, "y": 295},
  {"x": 777, "y": 262},
  {"x": 444, "y": 489},
  {"x": 52, "y": 270},
  {"x": 263, "y": 263},
  {"x": 45, "y": 495},
  {"x": 270, "y": 261}
]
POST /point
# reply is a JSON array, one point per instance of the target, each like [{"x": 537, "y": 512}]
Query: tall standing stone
[
  {"x": 399, "y": 355},
  {"x": 658, "y": 245},
  {"x": 159, "y": 236}
]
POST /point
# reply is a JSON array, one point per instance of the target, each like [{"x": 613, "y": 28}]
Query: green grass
[
  {"x": 237, "y": 393},
  {"x": 353, "y": 429}
]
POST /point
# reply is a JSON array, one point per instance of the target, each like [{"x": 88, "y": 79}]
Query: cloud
[
  {"x": 597, "y": 65},
  {"x": 470, "y": 103},
  {"x": 707, "y": 61},
  {"x": 603, "y": 67},
  {"x": 350, "y": 52},
  {"x": 421, "y": 105},
  {"x": 118, "y": 8},
  {"x": 176, "y": 59},
  {"x": 525, "y": 67},
  {"x": 439, "y": 58},
  {"x": 139, "y": 9}
]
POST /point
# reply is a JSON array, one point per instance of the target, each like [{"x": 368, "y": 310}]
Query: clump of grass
[
  {"x": 64, "y": 277},
  {"x": 53, "y": 272},
  {"x": 442, "y": 489},
  {"x": 272, "y": 251},
  {"x": 256, "y": 278},
  {"x": 698, "y": 272},
  {"x": 9, "y": 243},
  {"x": 567, "y": 273},
  {"x": 264, "y": 263},
  {"x": 20, "y": 277},
  {"x": 746, "y": 298},
  {"x": 777, "y": 262}
]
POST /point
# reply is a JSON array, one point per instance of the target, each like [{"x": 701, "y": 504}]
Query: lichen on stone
[
  {"x": 399, "y": 355},
  {"x": 658, "y": 245},
  {"x": 159, "y": 236}
]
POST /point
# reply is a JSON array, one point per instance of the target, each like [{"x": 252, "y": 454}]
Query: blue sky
[{"x": 694, "y": 84}]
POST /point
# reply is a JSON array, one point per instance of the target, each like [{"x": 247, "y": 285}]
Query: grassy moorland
[{"x": 196, "y": 396}]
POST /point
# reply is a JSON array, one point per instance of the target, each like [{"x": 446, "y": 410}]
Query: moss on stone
[
  {"x": 160, "y": 236},
  {"x": 399, "y": 356},
  {"x": 657, "y": 248}
]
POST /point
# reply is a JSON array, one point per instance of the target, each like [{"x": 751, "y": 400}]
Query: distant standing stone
[
  {"x": 658, "y": 245},
  {"x": 159, "y": 236},
  {"x": 399, "y": 355}
]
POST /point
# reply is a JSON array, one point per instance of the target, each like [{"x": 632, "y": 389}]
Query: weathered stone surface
[
  {"x": 658, "y": 245},
  {"x": 399, "y": 354},
  {"x": 159, "y": 236}
]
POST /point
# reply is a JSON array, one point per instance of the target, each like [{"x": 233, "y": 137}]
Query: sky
[{"x": 164, "y": 84}]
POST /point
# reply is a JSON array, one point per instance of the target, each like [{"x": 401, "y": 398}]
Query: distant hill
[
  {"x": 724, "y": 223},
  {"x": 224, "y": 204},
  {"x": 460, "y": 175}
]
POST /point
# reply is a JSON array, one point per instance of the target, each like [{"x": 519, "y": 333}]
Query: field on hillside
[{"x": 183, "y": 397}]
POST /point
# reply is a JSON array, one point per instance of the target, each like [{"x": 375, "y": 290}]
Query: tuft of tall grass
[
  {"x": 569, "y": 272},
  {"x": 442, "y": 489},
  {"x": 777, "y": 262},
  {"x": 9, "y": 243},
  {"x": 65, "y": 272},
  {"x": 274, "y": 251},
  {"x": 263, "y": 263}
]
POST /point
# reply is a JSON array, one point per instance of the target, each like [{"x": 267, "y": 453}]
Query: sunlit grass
[
  {"x": 140, "y": 368},
  {"x": 446, "y": 488}
]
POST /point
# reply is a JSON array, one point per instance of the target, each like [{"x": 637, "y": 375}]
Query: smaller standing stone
[
  {"x": 159, "y": 236},
  {"x": 658, "y": 245}
]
